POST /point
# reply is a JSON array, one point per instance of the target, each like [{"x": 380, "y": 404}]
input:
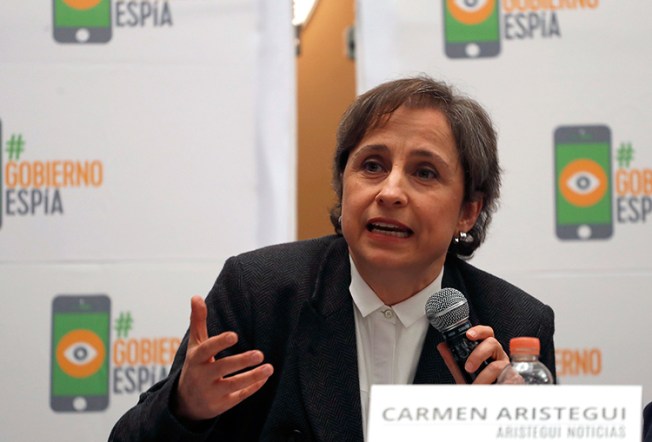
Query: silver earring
[
  {"x": 339, "y": 221},
  {"x": 461, "y": 237}
]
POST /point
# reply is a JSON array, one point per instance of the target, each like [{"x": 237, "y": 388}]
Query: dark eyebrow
[
  {"x": 425, "y": 154},
  {"x": 431, "y": 156},
  {"x": 371, "y": 148}
]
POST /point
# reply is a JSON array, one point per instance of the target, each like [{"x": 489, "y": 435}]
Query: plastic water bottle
[{"x": 525, "y": 367}]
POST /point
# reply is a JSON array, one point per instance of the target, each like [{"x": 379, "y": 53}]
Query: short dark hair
[{"x": 473, "y": 131}]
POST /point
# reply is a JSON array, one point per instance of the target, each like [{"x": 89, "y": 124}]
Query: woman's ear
[{"x": 469, "y": 214}]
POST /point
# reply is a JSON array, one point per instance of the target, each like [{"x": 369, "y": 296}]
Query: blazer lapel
[
  {"x": 431, "y": 368},
  {"x": 328, "y": 368}
]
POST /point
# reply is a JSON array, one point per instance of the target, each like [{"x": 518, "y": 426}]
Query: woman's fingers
[
  {"x": 488, "y": 349},
  {"x": 241, "y": 383},
  {"x": 206, "y": 351},
  {"x": 209, "y": 386},
  {"x": 198, "y": 332},
  {"x": 226, "y": 393}
]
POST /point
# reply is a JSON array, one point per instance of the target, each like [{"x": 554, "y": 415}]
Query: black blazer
[
  {"x": 647, "y": 423},
  {"x": 292, "y": 302}
]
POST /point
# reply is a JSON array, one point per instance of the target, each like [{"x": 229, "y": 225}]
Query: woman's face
[{"x": 402, "y": 199}]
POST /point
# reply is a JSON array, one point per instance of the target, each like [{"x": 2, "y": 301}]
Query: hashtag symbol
[
  {"x": 123, "y": 324},
  {"x": 625, "y": 155},
  {"x": 15, "y": 147}
]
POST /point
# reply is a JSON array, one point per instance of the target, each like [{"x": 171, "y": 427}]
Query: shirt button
[{"x": 389, "y": 313}]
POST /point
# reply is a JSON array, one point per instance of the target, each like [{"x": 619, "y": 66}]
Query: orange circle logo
[
  {"x": 80, "y": 353},
  {"x": 82, "y": 4},
  {"x": 471, "y": 12},
  {"x": 583, "y": 182}
]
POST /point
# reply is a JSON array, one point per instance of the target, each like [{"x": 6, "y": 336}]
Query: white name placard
[{"x": 484, "y": 413}]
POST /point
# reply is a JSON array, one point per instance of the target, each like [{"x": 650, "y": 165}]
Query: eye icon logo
[
  {"x": 80, "y": 353},
  {"x": 583, "y": 182},
  {"x": 471, "y": 12}
]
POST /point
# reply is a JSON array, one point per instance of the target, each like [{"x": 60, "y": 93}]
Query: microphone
[{"x": 448, "y": 312}]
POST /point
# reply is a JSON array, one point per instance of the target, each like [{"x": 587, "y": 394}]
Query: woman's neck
[{"x": 393, "y": 286}]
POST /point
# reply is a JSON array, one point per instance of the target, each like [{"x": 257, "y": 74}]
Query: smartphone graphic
[
  {"x": 82, "y": 21},
  {"x": 80, "y": 353},
  {"x": 472, "y": 28},
  {"x": 583, "y": 190}
]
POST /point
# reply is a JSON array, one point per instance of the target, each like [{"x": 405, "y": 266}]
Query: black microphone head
[{"x": 447, "y": 308}]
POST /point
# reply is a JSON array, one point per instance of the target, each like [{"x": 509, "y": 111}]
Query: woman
[{"x": 301, "y": 330}]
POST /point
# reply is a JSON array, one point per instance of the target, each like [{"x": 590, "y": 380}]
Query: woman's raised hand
[{"x": 205, "y": 388}]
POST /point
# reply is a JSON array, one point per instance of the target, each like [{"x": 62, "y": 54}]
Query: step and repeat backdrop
[
  {"x": 567, "y": 83},
  {"x": 143, "y": 142}
]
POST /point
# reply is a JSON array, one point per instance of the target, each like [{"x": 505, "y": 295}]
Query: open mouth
[{"x": 389, "y": 230}]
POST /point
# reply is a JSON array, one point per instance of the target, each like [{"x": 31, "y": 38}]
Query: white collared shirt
[{"x": 388, "y": 339}]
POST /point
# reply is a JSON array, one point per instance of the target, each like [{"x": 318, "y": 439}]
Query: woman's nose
[{"x": 392, "y": 190}]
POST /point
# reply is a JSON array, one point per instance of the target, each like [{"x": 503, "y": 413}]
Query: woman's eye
[
  {"x": 372, "y": 166},
  {"x": 426, "y": 174}
]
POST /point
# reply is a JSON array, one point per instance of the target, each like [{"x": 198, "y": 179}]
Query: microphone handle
[{"x": 461, "y": 347}]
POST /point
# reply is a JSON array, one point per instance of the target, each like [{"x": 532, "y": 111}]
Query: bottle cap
[{"x": 525, "y": 346}]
